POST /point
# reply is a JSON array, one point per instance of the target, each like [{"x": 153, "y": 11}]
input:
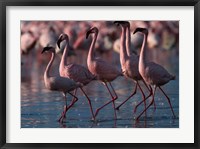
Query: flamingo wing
[
  {"x": 78, "y": 73},
  {"x": 105, "y": 71},
  {"x": 157, "y": 75},
  {"x": 61, "y": 84}
]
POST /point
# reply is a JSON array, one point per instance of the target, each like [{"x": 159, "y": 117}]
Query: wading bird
[
  {"x": 104, "y": 71},
  {"x": 58, "y": 83},
  {"x": 75, "y": 72},
  {"x": 152, "y": 73},
  {"x": 129, "y": 62}
]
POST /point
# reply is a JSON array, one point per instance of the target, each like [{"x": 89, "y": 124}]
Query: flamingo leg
[
  {"x": 113, "y": 90},
  {"x": 64, "y": 111},
  {"x": 113, "y": 99},
  {"x": 143, "y": 96},
  {"x": 134, "y": 92},
  {"x": 73, "y": 102},
  {"x": 74, "y": 99},
  {"x": 150, "y": 90},
  {"x": 148, "y": 105},
  {"x": 88, "y": 102},
  {"x": 167, "y": 100}
]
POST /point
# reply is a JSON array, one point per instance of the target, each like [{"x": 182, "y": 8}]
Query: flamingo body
[
  {"x": 103, "y": 70},
  {"x": 155, "y": 74},
  {"x": 60, "y": 84},
  {"x": 77, "y": 73}
]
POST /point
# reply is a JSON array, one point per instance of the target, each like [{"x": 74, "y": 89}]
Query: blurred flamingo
[
  {"x": 104, "y": 71},
  {"x": 152, "y": 73},
  {"x": 129, "y": 63},
  {"x": 58, "y": 83},
  {"x": 28, "y": 41},
  {"x": 49, "y": 37},
  {"x": 75, "y": 72}
]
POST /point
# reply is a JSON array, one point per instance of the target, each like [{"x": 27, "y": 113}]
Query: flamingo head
[
  {"x": 61, "y": 38},
  {"x": 92, "y": 30},
  {"x": 122, "y": 23},
  {"x": 48, "y": 49},
  {"x": 142, "y": 30}
]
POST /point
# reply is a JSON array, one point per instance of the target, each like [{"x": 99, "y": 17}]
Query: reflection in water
[{"x": 41, "y": 108}]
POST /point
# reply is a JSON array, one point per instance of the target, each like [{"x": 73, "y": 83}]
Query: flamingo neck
[
  {"x": 143, "y": 53},
  {"x": 123, "y": 52},
  {"x": 46, "y": 73},
  {"x": 91, "y": 54},
  {"x": 63, "y": 61},
  {"x": 128, "y": 41}
]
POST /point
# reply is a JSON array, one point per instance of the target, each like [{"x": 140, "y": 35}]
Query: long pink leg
[
  {"x": 134, "y": 92},
  {"x": 168, "y": 101},
  {"x": 65, "y": 109},
  {"x": 113, "y": 90},
  {"x": 143, "y": 96},
  {"x": 148, "y": 105},
  {"x": 88, "y": 102},
  {"x": 75, "y": 99},
  {"x": 150, "y": 90},
  {"x": 113, "y": 99}
]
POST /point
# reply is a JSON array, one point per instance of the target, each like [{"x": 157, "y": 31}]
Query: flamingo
[
  {"x": 129, "y": 63},
  {"x": 59, "y": 83},
  {"x": 104, "y": 71},
  {"x": 75, "y": 72},
  {"x": 28, "y": 41},
  {"x": 152, "y": 73}
]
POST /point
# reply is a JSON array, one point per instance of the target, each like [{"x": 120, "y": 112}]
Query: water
[{"x": 41, "y": 108}]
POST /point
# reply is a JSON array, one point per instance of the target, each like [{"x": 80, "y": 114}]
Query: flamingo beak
[
  {"x": 139, "y": 30},
  {"x": 88, "y": 33},
  {"x": 45, "y": 49},
  {"x": 58, "y": 42},
  {"x": 116, "y": 22}
]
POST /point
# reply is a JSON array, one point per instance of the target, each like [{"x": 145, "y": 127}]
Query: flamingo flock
[{"x": 135, "y": 67}]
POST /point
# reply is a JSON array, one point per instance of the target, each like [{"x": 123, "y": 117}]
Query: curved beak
[
  {"x": 88, "y": 33},
  {"x": 116, "y": 22},
  {"x": 58, "y": 42},
  {"x": 45, "y": 49},
  {"x": 139, "y": 29}
]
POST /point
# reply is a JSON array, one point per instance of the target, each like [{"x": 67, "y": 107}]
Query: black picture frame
[{"x": 5, "y": 3}]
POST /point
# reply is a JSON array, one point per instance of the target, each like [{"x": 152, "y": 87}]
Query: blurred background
[{"x": 41, "y": 108}]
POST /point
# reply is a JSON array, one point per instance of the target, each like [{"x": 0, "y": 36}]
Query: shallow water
[{"x": 41, "y": 108}]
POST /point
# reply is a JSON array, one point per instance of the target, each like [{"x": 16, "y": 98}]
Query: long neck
[
  {"x": 143, "y": 53},
  {"x": 123, "y": 53},
  {"x": 128, "y": 41},
  {"x": 91, "y": 54},
  {"x": 46, "y": 73},
  {"x": 63, "y": 61}
]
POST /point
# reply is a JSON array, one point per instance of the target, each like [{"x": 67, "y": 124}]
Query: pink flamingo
[
  {"x": 104, "y": 71},
  {"x": 129, "y": 63},
  {"x": 152, "y": 73},
  {"x": 28, "y": 41},
  {"x": 58, "y": 83},
  {"x": 75, "y": 72}
]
